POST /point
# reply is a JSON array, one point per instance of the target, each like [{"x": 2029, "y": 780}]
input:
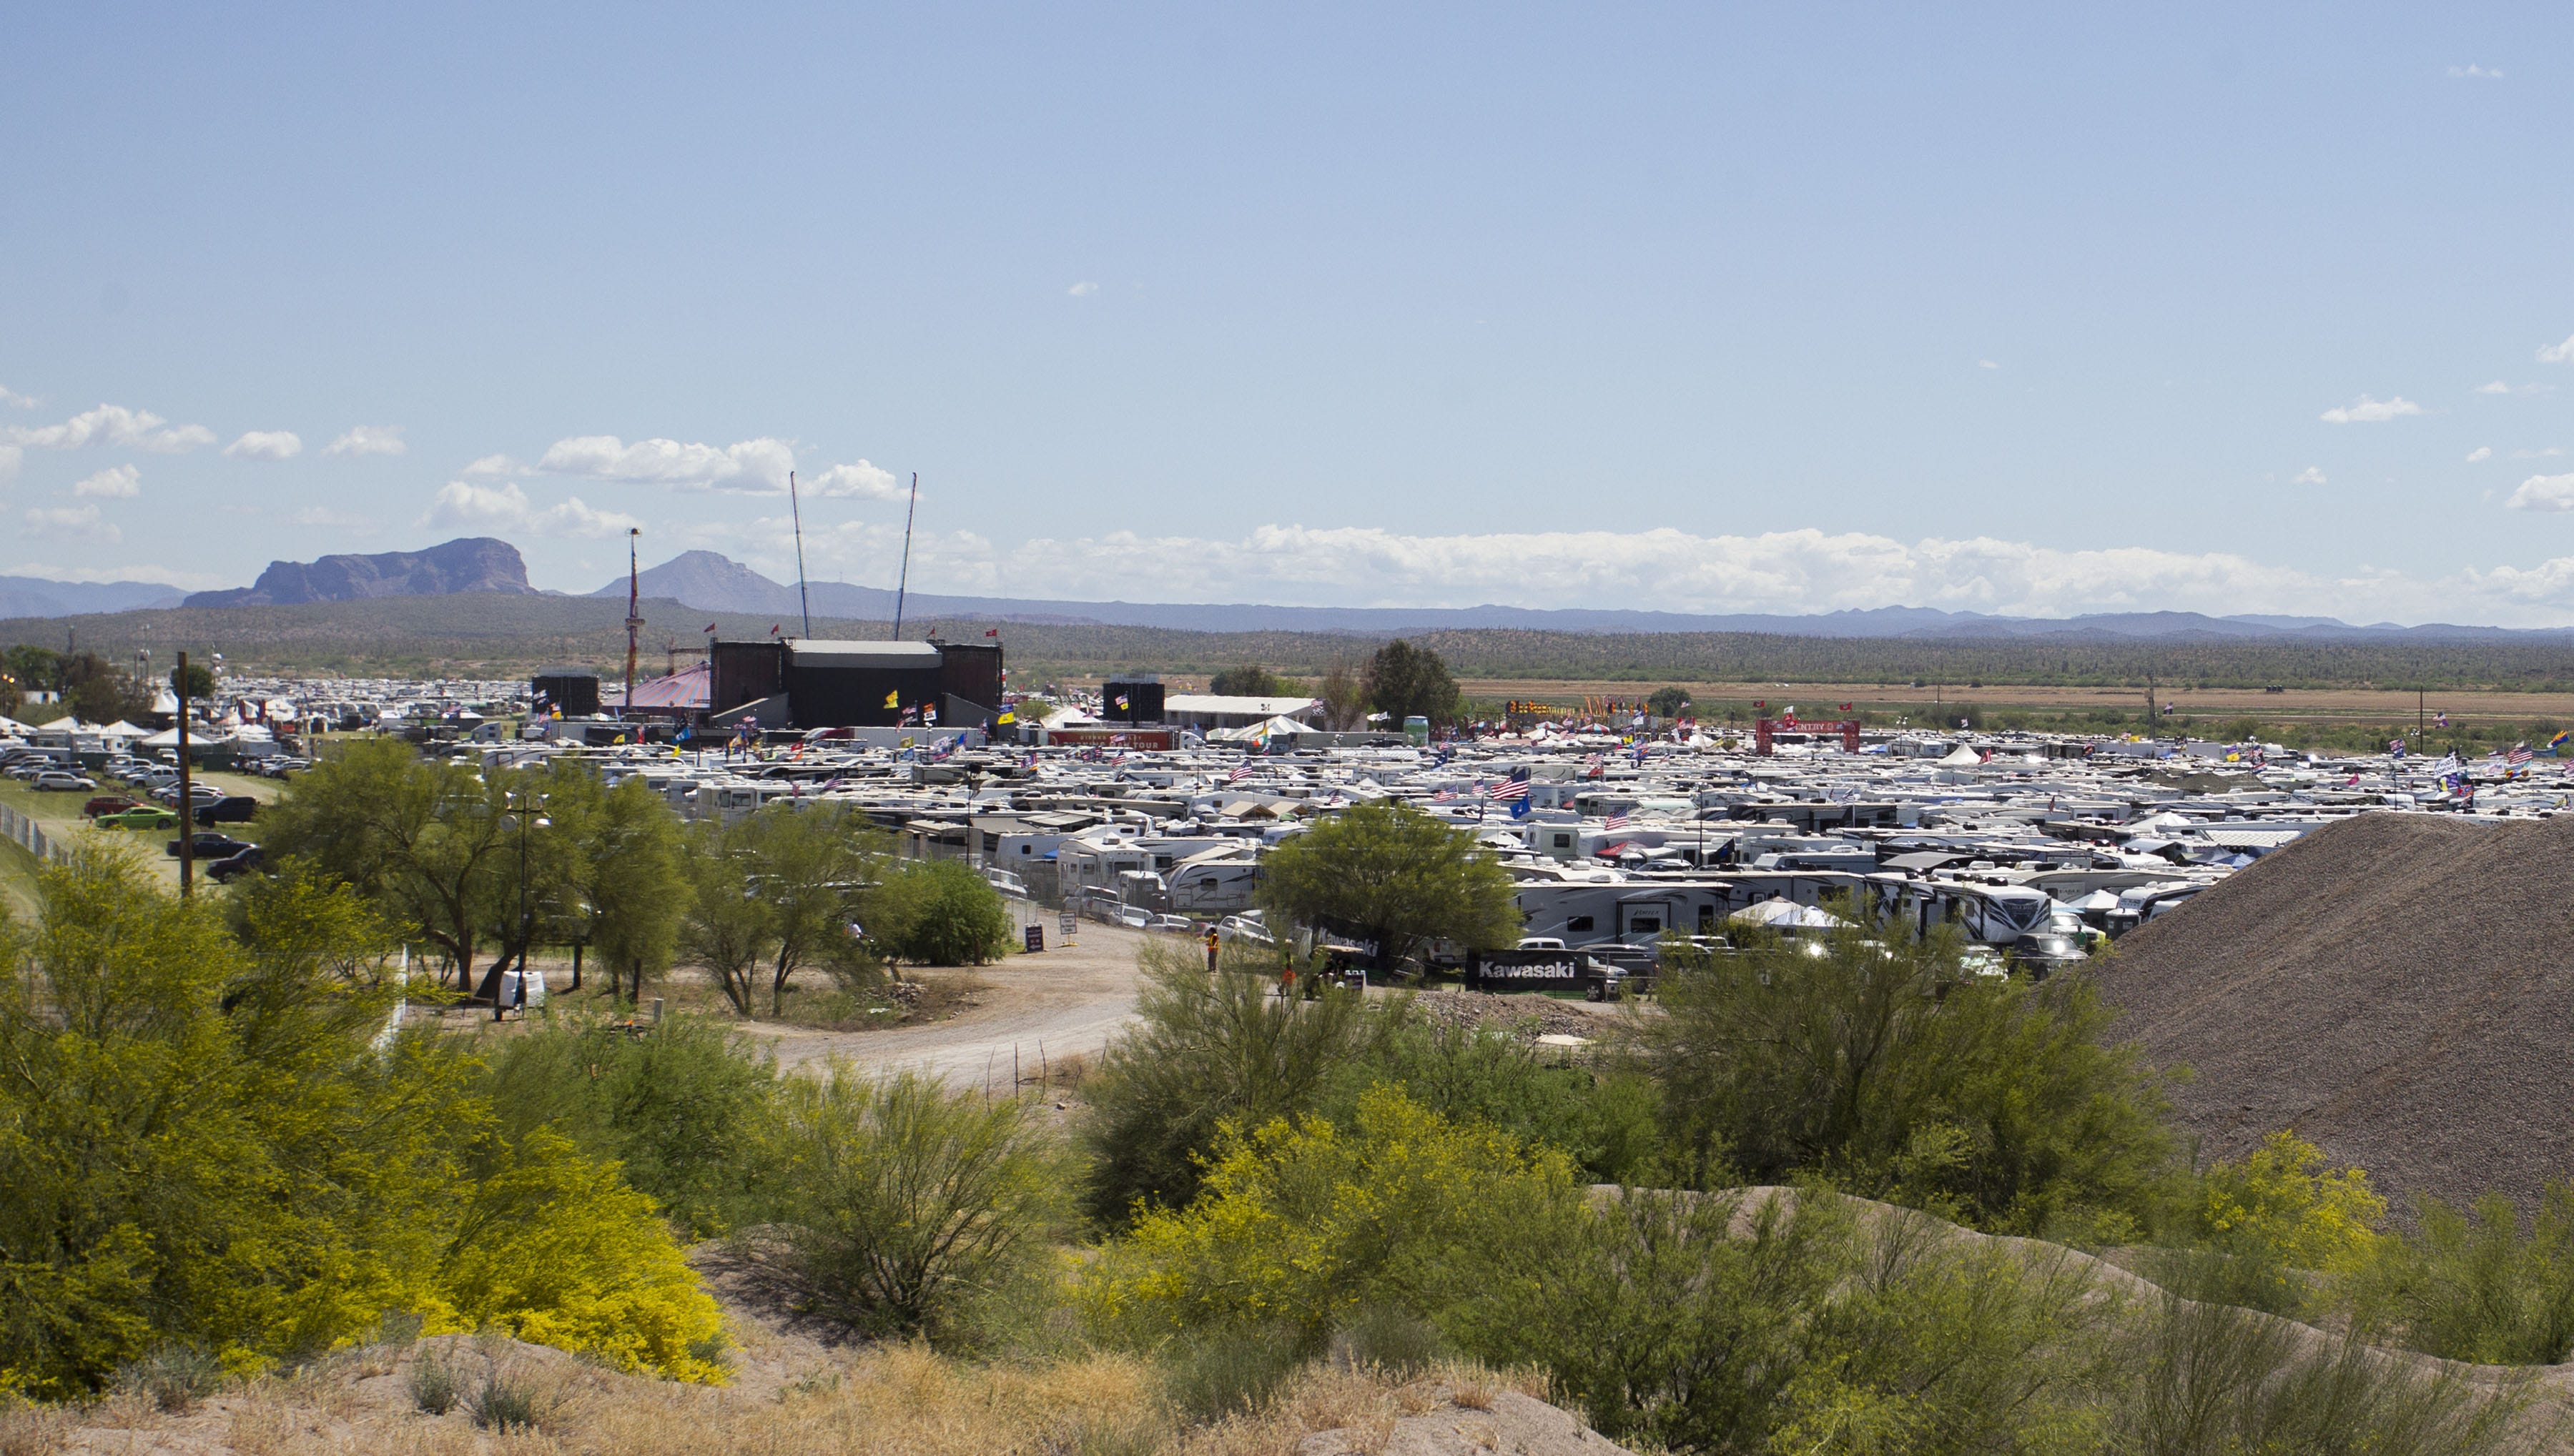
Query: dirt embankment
[{"x": 2396, "y": 988}]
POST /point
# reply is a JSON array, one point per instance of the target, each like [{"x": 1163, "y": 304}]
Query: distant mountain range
[
  {"x": 709, "y": 583},
  {"x": 31, "y": 596},
  {"x": 468, "y": 563},
  {"x": 717, "y": 583}
]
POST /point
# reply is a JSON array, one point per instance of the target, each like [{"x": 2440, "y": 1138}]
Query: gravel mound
[{"x": 2396, "y": 988}]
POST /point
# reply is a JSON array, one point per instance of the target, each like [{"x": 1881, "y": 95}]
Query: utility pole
[
  {"x": 187, "y": 791},
  {"x": 634, "y": 617}
]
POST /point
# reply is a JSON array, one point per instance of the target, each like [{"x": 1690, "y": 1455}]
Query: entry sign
[
  {"x": 1527, "y": 971},
  {"x": 1036, "y": 939},
  {"x": 1066, "y": 924}
]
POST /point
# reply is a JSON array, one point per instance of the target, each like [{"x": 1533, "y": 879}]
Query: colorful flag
[
  {"x": 894, "y": 699},
  {"x": 2519, "y": 755},
  {"x": 1615, "y": 822},
  {"x": 1240, "y": 772},
  {"x": 1514, "y": 787},
  {"x": 993, "y": 633}
]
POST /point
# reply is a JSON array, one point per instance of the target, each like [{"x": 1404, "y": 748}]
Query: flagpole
[{"x": 796, "y": 510}]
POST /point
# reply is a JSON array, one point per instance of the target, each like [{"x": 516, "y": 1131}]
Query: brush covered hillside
[
  {"x": 268, "y": 1216},
  {"x": 494, "y": 633}
]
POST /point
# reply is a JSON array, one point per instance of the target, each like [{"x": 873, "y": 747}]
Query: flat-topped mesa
[{"x": 467, "y": 564}]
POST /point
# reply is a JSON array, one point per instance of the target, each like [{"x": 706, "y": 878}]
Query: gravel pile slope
[{"x": 2398, "y": 987}]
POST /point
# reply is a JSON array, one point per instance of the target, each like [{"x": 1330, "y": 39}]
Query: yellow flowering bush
[
  {"x": 2281, "y": 1198},
  {"x": 1304, "y": 1221}
]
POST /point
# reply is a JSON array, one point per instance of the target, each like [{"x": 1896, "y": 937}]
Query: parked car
[
  {"x": 106, "y": 804},
  {"x": 61, "y": 782},
  {"x": 230, "y": 809},
  {"x": 209, "y": 845},
  {"x": 1175, "y": 924},
  {"x": 141, "y": 816},
  {"x": 225, "y": 871},
  {"x": 1133, "y": 918}
]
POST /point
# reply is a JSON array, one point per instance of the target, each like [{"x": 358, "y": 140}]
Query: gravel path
[{"x": 1057, "y": 1002}]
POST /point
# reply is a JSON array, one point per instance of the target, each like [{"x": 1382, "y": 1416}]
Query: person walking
[{"x": 1210, "y": 949}]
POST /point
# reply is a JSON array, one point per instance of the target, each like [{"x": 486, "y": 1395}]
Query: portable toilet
[{"x": 1417, "y": 728}]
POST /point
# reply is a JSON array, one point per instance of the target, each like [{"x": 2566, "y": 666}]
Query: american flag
[
  {"x": 2519, "y": 755},
  {"x": 1443, "y": 796},
  {"x": 1615, "y": 822},
  {"x": 1240, "y": 772},
  {"x": 1514, "y": 787}
]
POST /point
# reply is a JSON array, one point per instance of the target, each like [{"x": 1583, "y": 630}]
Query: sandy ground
[{"x": 1032, "y": 1009}]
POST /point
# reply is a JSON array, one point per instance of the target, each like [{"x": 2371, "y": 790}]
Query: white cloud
[
  {"x": 2548, "y": 454},
  {"x": 11, "y": 397},
  {"x": 491, "y": 465},
  {"x": 1985, "y": 364},
  {"x": 1084, "y": 290},
  {"x": 2310, "y": 475},
  {"x": 862, "y": 481},
  {"x": 2370, "y": 412},
  {"x": 370, "y": 440},
  {"x": 462, "y": 505},
  {"x": 2472, "y": 72},
  {"x": 2558, "y": 353},
  {"x": 753, "y": 467},
  {"x": 2480, "y": 452},
  {"x": 116, "y": 483},
  {"x": 266, "y": 445},
  {"x": 71, "y": 520},
  {"x": 114, "y": 425},
  {"x": 2544, "y": 492},
  {"x": 10, "y": 456},
  {"x": 1792, "y": 571},
  {"x": 2496, "y": 387}
]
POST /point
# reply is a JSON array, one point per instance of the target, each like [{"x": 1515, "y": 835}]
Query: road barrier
[{"x": 31, "y": 836}]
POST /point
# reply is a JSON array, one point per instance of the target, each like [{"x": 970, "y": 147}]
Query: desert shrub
[
  {"x": 1753, "y": 1321},
  {"x": 555, "y": 1249},
  {"x": 2199, "y": 1378},
  {"x": 1232, "y": 1371},
  {"x": 504, "y": 1403},
  {"x": 1875, "y": 1064},
  {"x": 938, "y": 913},
  {"x": 1303, "y": 1223},
  {"x": 1204, "y": 1051},
  {"x": 207, "y": 1141},
  {"x": 681, "y": 1110},
  {"x": 173, "y": 1377},
  {"x": 434, "y": 1384},
  {"x": 2281, "y": 1198},
  {"x": 2472, "y": 1284},
  {"x": 901, "y": 1206},
  {"x": 1606, "y": 1119}
]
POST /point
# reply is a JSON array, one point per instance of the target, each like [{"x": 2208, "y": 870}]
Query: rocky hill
[{"x": 467, "y": 564}]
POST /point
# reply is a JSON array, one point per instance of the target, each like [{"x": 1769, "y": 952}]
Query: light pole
[{"x": 526, "y": 807}]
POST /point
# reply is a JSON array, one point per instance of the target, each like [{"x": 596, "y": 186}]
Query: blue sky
[{"x": 1792, "y": 309}]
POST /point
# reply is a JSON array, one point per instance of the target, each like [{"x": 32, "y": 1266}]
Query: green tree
[
  {"x": 636, "y": 891},
  {"x": 1868, "y": 1059},
  {"x": 200, "y": 680},
  {"x": 810, "y": 864},
  {"x": 1395, "y": 875},
  {"x": 938, "y": 913},
  {"x": 99, "y": 692},
  {"x": 429, "y": 844},
  {"x": 729, "y": 927},
  {"x": 1345, "y": 698},
  {"x": 1668, "y": 702},
  {"x": 1250, "y": 680},
  {"x": 1404, "y": 680}
]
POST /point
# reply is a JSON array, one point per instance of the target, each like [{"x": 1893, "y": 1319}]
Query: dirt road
[{"x": 1057, "y": 1002}]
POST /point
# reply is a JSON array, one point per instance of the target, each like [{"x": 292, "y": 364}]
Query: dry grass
[{"x": 880, "y": 1401}]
